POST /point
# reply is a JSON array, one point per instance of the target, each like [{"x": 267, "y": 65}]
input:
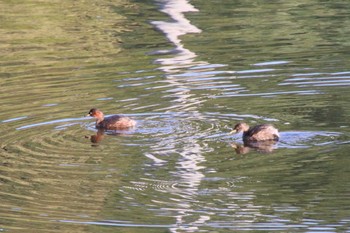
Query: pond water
[{"x": 187, "y": 71}]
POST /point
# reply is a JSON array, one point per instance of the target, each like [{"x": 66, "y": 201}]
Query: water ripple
[{"x": 337, "y": 79}]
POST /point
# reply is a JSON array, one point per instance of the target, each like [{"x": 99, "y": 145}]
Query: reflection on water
[
  {"x": 185, "y": 189},
  {"x": 319, "y": 79},
  {"x": 178, "y": 26},
  {"x": 189, "y": 170},
  {"x": 178, "y": 170},
  {"x": 264, "y": 147},
  {"x": 291, "y": 139}
]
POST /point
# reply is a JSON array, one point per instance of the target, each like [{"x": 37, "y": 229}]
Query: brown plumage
[
  {"x": 266, "y": 146},
  {"x": 115, "y": 122},
  {"x": 257, "y": 133}
]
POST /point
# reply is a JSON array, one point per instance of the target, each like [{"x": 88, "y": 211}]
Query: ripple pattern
[
  {"x": 179, "y": 169},
  {"x": 341, "y": 79}
]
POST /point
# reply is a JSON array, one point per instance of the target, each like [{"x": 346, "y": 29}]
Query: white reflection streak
[
  {"x": 188, "y": 168},
  {"x": 173, "y": 30}
]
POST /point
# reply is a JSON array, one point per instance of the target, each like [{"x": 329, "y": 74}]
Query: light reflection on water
[
  {"x": 184, "y": 164},
  {"x": 322, "y": 81},
  {"x": 184, "y": 197},
  {"x": 277, "y": 225},
  {"x": 185, "y": 74},
  {"x": 179, "y": 26}
]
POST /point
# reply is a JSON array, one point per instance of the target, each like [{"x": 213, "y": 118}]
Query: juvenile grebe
[
  {"x": 114, "y": 122},
  {"x": 256, "y": 133}
]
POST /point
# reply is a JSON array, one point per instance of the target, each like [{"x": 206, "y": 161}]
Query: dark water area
[{"x": 187, "y": 72}]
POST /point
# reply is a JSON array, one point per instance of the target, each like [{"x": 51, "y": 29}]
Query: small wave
[
  {"x": 318, "y": 80},
  {"x": 156, "y": 185},
  {"x": 58, "y": 121}
]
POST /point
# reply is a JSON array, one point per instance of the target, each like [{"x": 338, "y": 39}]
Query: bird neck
[
  {"x": 99, "y": 118},
  {"x": 246, "y": 132}
]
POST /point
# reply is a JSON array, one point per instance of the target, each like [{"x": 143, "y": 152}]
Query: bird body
[
  {"x": 264, "y": 132},
  {"x": 114, "y": 122}
]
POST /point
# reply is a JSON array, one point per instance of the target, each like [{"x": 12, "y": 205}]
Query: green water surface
[{"x": 186, "y": 72}]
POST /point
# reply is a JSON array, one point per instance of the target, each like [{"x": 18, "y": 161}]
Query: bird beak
[
  {"x": 87, "y": 115},
  {"x": 233, "y": 132}
]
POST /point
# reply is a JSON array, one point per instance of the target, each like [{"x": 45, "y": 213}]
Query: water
[{"x": 187, "y": 72}]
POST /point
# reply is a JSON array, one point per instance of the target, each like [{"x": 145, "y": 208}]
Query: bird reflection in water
[
  {"x": 259, "y": 146},
  {"x": 98, "y": 137},
  {"x": 100, "y": 134}
]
